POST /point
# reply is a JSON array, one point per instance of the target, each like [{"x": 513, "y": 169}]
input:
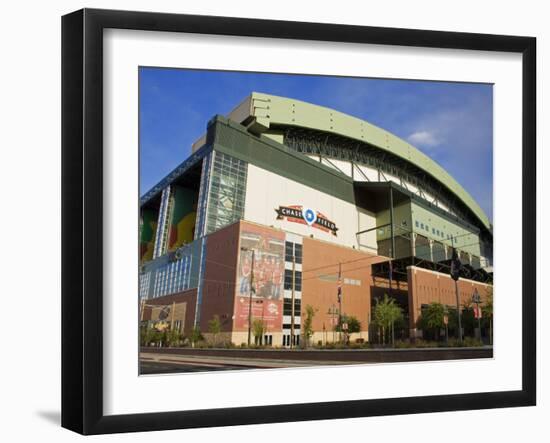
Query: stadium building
[{"x": 285, "y": 204}]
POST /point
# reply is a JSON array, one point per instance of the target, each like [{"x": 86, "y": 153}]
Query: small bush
[
  {"x": 467, "y": 342},
  {"x": 425, "y": 344},
  {"x": 472, "y": 342}
]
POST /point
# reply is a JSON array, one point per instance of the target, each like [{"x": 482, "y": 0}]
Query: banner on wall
[
  {"x": 260, "y": 287},
  {"x": 306, "y": 216}
]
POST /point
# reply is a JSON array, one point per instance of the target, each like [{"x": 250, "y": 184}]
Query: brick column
[{"x": 411, "y": 277}]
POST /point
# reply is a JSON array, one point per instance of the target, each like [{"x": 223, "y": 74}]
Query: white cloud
[{"x": 424, "y": 138}]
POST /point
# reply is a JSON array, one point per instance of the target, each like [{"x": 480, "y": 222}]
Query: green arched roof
[{"x": 265, "y": 110}]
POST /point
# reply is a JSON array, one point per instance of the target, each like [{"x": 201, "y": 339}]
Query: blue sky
[{"x": 450, "y": 122}]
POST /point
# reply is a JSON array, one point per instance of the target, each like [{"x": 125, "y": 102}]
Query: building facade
[{"x": 285, "y": 205}]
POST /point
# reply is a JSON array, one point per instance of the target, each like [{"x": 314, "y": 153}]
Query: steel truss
[
  {"x": 332, "y": 146},
  {"x": 399, "y": 269}
]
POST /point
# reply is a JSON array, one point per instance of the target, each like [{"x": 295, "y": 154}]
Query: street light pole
[
  {"x": 477, "y": 300},
  {"x": 458, "y": 313},
  {"x": 251, "y": 282},
  {"x": 292, "y": 313},
  {"x": 455, "y": 270},
  {"x": 446, "y": 321},
  {"x": 479, "y": 321},
  {"x": 340, "y": 289}
]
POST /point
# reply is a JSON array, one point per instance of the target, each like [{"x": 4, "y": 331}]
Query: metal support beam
[{"x": 392, "y": 255}]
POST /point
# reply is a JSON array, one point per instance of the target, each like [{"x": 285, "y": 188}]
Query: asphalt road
[
  {"x": 180, "y": 360},
  {"x": 372, "y": 355},
  {"x": 161, "y": 367}
]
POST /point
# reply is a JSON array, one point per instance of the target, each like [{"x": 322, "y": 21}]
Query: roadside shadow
[{"x": 54, "y": 417}]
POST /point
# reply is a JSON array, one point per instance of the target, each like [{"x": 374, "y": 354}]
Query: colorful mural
[
  {"x": 184, "y": 215},
  {"x": 264, "y": 281},
  {"x": 147, "y": 234}
]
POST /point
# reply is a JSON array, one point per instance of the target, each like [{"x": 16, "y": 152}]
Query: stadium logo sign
[{"x": 306, "y": 216}]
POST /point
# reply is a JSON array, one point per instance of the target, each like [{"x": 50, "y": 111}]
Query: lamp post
[
  {"x": 456, "y": 265},
  {"x": 250, "y": 289},
  {"x": 292, "y": 313},
  {"x": 340, "y": 301}
]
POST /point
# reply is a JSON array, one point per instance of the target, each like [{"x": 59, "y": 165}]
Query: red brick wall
[
  {"x": 429, "y": 286},
  {"x": 322, "y": 258}
]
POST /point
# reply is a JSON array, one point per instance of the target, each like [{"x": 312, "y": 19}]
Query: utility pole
[
  {"x": 459, "y": 313},
  {"x": 293, "y": 296},
  {"x": 333, "y": 317}
]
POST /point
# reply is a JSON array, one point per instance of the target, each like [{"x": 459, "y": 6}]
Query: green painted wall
[
  {"x": 433, "y": 226},
  {"x": 233, "y": 139},
  {"x": 401, "y": 221}
]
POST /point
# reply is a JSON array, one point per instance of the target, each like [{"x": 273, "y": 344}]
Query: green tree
[
  {"x": 152, "y": 336},
  {"x": 258, "y": 330},
  {"x": 386, "y": 313},
  {"x": 215, "y": 327},
  {"x": 142, "y": 335},
  {"x": 354, "y": 325},
  {"x": 469, "y": 322},
  {"x": 308, "y": 323},
  {"x": 195, "y": 336},
  {"x": 173, "y": 338},
  {"x": 432, "y": 318}
]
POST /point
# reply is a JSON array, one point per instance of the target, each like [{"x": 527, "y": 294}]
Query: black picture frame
[{"x": 82, "y": 190}]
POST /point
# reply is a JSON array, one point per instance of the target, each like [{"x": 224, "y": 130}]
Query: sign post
[{"x": 345, "y": 329}]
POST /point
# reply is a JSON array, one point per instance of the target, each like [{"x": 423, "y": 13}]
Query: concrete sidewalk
[
  {"x": 259, "y": 363},
  {"x": 277, "y": 358}
]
